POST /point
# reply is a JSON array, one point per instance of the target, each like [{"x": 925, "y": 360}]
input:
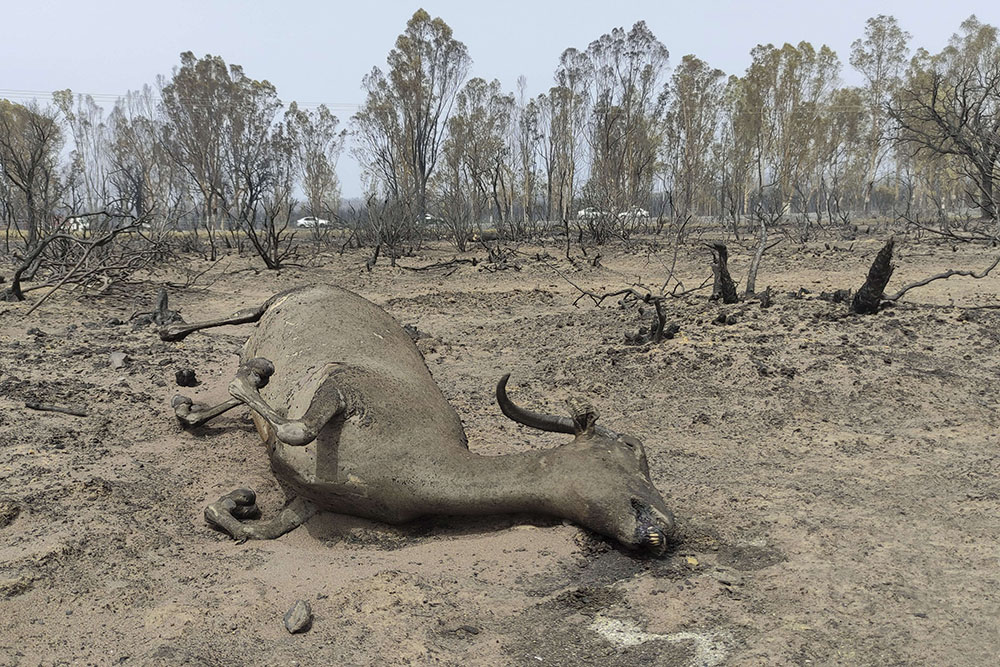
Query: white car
[
  {"x": 590, "y": 213},
  {"x": 311, "y": 222},
  {"x": 78, "y": 224},
  {"x": 634, "y": 213}
]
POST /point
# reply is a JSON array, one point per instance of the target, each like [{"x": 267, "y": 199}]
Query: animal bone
[{"x": 355, "y": 424}]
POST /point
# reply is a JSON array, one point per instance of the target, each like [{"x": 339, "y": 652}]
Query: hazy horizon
[{"x": 317, "y": 53}]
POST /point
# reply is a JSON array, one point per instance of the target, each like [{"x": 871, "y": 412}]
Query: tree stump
[
  {"x": 724, "y": 287},
  {"x": 869, "y": 297}
]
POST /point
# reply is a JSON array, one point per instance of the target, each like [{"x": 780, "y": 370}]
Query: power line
[{"x": 29, "y": 95}]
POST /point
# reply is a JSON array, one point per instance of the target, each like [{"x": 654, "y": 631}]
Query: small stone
[
  {"x": 114, "y": 322},
  {"x": 117, "y": 360},
  {"x": 185, "y": 378},
  {"x": 299, "y": 617}
]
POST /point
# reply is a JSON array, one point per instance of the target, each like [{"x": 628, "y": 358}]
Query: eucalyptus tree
[
  {"x": 457, "y": 195},
  {"x": 629, "y": 101},
  {"x": 319, "y": 143},
  {"x": 142, "y": 176},
  {"x": 525, "y": 128},
  {"x": 841, "y": 135},
  {"x": 804, "y": 81},
  {"x": 949, "y": 106},
  {"x": 196, "y": 105},
  {"x": 273, "y": 179},
  {"x": 250, "y": 159},
  {"x": 737, "y": 154},
  {"x": 563, "y": 115},
  {"x": 217, "y": 128},
  {"x": 692, "y": 120},
  {"x": 880, "y": 57},
  {"x": 779, "y": 99},
  {"x": 477, "y": 138},
  {"x": 401, "y": 127},
  {"x": 30, "y": 141},
  {"x": 89, "y": 165}
]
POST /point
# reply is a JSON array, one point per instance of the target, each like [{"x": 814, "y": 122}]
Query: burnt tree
[
  {"x": 869, "y": 297},
  {"x": 724, "y": 288}
]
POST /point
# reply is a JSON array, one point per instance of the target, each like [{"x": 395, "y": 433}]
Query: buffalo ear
[{"x": 584, "y": 415}]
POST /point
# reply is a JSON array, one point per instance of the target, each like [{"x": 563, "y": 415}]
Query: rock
[
  {"x": 415, "y": 333},
  {"x": 8, "y": 512},
  {"x": 114, "y": 322},
  {"x": 727, "y": 576},
  {"x": 299, "y": 617},
  {"x": 185, "y": 378},
  {"x": 117, "y": 360},
  {"x": 466, "y": 630},
  {"x": 10, "y": 588}
]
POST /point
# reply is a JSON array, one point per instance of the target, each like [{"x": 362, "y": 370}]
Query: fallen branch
[
  {"x": 15, "y": 290},
  {"x": 16, "y": 293},
  {"x": 944, "y": 276},
  {"x": 440, "y": 265},
  {"x": 45, "y": 407}
]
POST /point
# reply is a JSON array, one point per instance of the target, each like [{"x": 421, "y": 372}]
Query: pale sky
[{"x": 317, "y": 51}]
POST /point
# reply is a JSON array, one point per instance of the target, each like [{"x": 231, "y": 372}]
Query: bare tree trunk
[{"x": 757, "y": 256}]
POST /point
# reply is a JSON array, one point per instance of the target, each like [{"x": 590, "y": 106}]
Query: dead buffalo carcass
[{"x": 355, "y": 424}]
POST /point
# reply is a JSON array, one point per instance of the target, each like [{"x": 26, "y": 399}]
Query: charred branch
[
  {"x": 978, "y": 275},
  {"x": 451, "y": 264},
  {"x": 46, "y": 407}
]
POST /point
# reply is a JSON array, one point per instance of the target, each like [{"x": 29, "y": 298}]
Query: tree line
[{"x": 620, "y": 142}]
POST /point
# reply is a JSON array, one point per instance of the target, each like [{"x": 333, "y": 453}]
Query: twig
[
  {"x": 944, "y": 276},
  {"x": 946, "y": 233},
  {"x": 190, "y": 280},
  {"x": 45, "y": 407},
  {"x": 631, "y": 294},
  {"x": 553, "y": 269}
]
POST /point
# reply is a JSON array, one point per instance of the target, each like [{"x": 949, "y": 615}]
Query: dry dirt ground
[{"x": 836, "y": 478}]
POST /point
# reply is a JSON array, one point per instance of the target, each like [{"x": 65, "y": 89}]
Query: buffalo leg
[
  {"x": 326, "y": 403},
  {"x": 174, "y": 332},
  {"x": 229, "y": 514},
  {"x": 191, "y": 416}
]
